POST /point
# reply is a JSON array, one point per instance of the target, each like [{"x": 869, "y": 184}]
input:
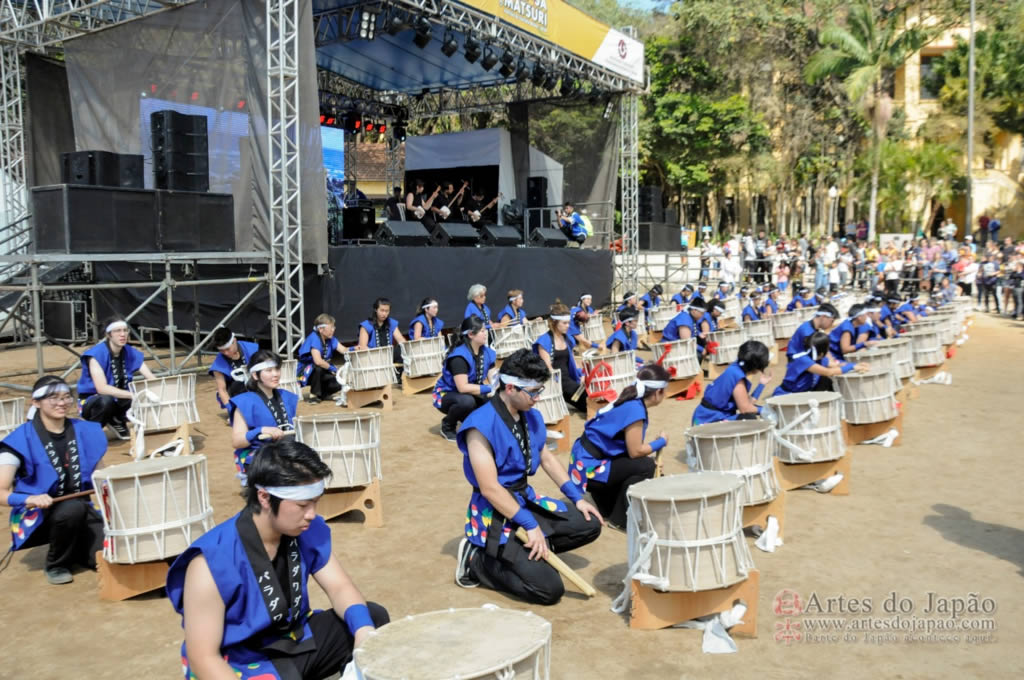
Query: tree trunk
[{"x": 876, "y": 163}]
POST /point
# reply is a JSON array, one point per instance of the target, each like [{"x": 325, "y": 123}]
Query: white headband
[
  {"x": 517, "y": 297},
  {"x": 822, "y": 312},
  {"x": 228, "y": 343},
  {"x": 429, "y": 305},
  {"x": 560, "y": 317},
  {"x": 521, "y": 383},
  {"x": 631, "y": 297},
  {"x": 873, "y": 310},
  {"x": 322, "y": 325},
  {"x": 47, "y": 390},
  {"x": 116, "y": 326},
  {"x": 587, "y": 296},
  {"x": 301, "y": 492},
  {"x": 643, "y": 385},
  {"x": 263, "y": 365}
]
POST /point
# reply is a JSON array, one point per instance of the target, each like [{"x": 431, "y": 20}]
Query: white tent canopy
[{"x": 492, "y": 146}]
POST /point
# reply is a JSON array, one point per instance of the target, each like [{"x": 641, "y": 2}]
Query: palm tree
[{"x": 864, "y": 54}]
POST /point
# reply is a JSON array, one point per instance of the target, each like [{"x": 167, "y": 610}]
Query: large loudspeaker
[
  {"x": 181, "y": 159},
  {"x": 548, "y": 238},
  {"x": 102, "y": 169},
  {"x": 650, "y": 208},
  {"x": 357, "y": 224},
  {"x": 536, "y": 192},
  {"x": 455, "y": 234},
  {"x": 658, "y": 236},
  {"x": 539, "y": 219},
  {"x": 195, "y": 222},
  {"x": 398, "y": 233},
  {"x": 86, "y": 219},
  {"x": 493, "y": 235}
]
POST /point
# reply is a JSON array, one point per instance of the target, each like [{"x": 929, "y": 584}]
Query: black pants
[
  {"x": 456, "y": 406},
  {"x": 892, "y": 285},
  {"x": 333, "y": 647},
  {"x": 569, "y": 387},
  {"x": 824, "y": 384},
  {"x": 610, "y": 496},
  {"x": 322, "y": 383},
  {"x": 74, "y": 531},
  {"x": 105, "y": 409},
  {"x": 965, "y": 287},
  {"x": 988, "y": 289},
  {"x": 537, "y": 582}
]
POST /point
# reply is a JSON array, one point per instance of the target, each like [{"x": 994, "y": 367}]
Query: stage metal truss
[
  {"x": 35, "y": 24},
  {"x": 629, "y": 181},
  {"x": 394, "y": 171},
  {"x": 34, "y": 289}
]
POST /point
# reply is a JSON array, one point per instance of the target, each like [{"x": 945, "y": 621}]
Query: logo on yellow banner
[{"x": 531, "y": 12}]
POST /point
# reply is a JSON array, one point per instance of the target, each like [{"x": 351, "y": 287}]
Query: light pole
[
  {"x": 970, "y": 128},
  {"x": 833, "y": 195}
]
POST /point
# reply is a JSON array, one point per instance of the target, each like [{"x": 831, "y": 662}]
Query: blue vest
[
  {"x": 903, "y": 310},
  {"x": 798, "y": 378},
  {"x": 606, "y": 431},
  {"x": 768, "y": 302},
  {"x": 712, "y": 326},
  {"x": 427, "y": 332},
  {"x": 256, "y": 414},
  {"x": 751, "y": 314},
  {"x": 870, "y": 329},
  {"x": 683, "y": 319},
  {"x": 133, "y": 360},
  {"x": 588, "y": 309},
  {"x": 446, "y": 383},
  {"x": 680, "y": 300},
  {"x": 547, "y": 342},
  {"x": 720, "y": 295},
  {"x": 626, "y": 343},
  {"x": 518, "y": 316},
  {"x": 246, "y": 617},
  {"x": 511, "y": 465},
  {"x": 36, "y": 475},
  {"x": 483, "y": 313},
  {"x": 305, "y": 363},
  {"x": 222, "y": 364},
  {"x": 718, "y": 403},
  {"x": 798, "y": 343},
  {"x": 368, "y": 327},
  {"x": 647, "y": 302},
  {"x": 795, "y": 304},
  {"x": 836, "y": 336}
]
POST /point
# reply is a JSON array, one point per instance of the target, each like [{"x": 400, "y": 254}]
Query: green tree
[{"x": 864, "y": 54}]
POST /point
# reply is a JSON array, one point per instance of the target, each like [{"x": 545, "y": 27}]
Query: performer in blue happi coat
[
  {"x": 905, "y": 311},
  {"x": 685, "y": 325},
  {"x": 651, "y": 300},
  {"x": 262, "y": 413},
  {"x": 824, "y": 317},
  {"x": 611, "y": 454},
  {"x": 709, "y": 322},
  {"x": 426, "y": 324},
  {"x": 684, "y": 296},
  {"x": 314, "y": 366},
  {"x": 729, "y": 396},
  {"x": 50, "y": 456},
  {"x": 242, "y": 587},
  {"x": 752, "y": 312},
  {"x": 723, "y": 290},
  {"x": 465, "y": 378},
  {"x": 812, "y": 370},
  {"x": 232, "y": 355},
  {"x": 702, "y": 289},
  {"x": 107, "y": 369},
  {"x": 513, "y": 314},
  {"x": 379, "y": 329},
  {"x": 556, "y": 349},
  {"x": 625, "y": 338},
  {"x": 503, "y": 444},
  {"x": 477, "y": 306},
  {"x": 629, "y": 301},
  {"x": 578, "y": 319},
  {"x": 848, "y": 336},
  {"x": 770, "y": 306},
  {"x": 584, "y": 304}
]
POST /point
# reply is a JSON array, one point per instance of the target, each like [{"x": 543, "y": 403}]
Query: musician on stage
[
  {"x": 314, "y": 366},
  {"x": 503, "y": 444},
  {"x": 43, "y": 459},
  {"x": 417, "y": 200},
  {"x": 448, "y": 206},
  {"x": 729, "y": 396},
  {"x": 261, "y": 414},
  {"x": 556, "y": 349},
  {"x": 579, "y": 318},
  {"x": 512, "y": 314},
  {"x": 392, "y": 206},
  {"x": 477, "y": 212},
  {"x": 242, "y": 587},
  {"x": 465, "y": 378},
  {"x": 379, "y": 329},
  {"x": 107, "y": 369},
  {"x": 425, "y": 323},
  {"x": 685, "y": 325},
  {"x": 232, "y": 354},
  {"x": 572, "y": 224},
  {"x": 610, "y": 455}
]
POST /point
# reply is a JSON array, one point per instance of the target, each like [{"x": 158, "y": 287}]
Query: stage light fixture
[
  {"x": 395, "y": 24},
  {"x": 449, "y": 45},
  {"x": 423, "y": 31},
  {"x": 522, "y": 70},
  {"x": 568, "y": 85},
  {"x": 370, "y": 126},
  {"x": 367, "y": 25},
  {"x": 551, "y": 81},
  {"x": 489, "y": 59},
  {"x": 538, "y": 75},
  {"x": 472, "y": 49},
  {"x": 383, "y": 127},
  {"x": 398, "y": 132},
  {"x": 507, "y": 64}
]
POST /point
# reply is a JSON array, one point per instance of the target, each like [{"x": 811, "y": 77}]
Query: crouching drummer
[
  {"x": 503, "y": 443},
  {"x": 729, "y": 397},
  {"x": 232, "y": 354},
  {"x": 242, "y": 587},
  {"x": 45, "y": 458}
]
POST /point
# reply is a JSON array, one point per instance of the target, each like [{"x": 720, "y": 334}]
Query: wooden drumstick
[
  {"x": 657, "y": 464},
  {"x": 561, "y": 567},
  {"x": 69, "y": 496}
]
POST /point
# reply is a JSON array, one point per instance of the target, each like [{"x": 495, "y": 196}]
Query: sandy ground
[{"x": 941, "y": 514}]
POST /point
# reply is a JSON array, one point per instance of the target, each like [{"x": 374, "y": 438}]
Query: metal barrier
[{"x": 600, "y": 213}]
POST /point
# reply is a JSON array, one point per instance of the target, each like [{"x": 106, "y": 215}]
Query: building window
[{"x": 927, "y": 64}]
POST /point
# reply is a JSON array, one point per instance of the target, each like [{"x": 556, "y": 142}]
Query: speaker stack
[
  {"x": 651, "y": 208},
  {"x": 537, "y": 197},
  {"x": 493, "y": 235},
  {"x": 181, "y": 151},
  {"x": 102, "y": 169},
  {"x": 455, "y": 234},
  {"x": 399, "y": 233}
]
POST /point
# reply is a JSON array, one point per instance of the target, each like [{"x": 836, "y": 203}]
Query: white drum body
[
  {"x": 904, "y": 355},
  {"x": 289, "y": 376},
  {"x": 371, "y": 368},
  {"x": 691, "y": 527},
  {"x": 424, "y": 356},
  {"x": 508, "y": 340},
  {"x": 949, "y": 328},
  {"x": 741, "y": 447},
  {"x": 611, "y": 372},
  {"x": 881, "y": 358},
  {"x": 807, "y": 313},
  {"x": 593, "y": 329},
  {"x": 729, "y": 342},
  {"x": 732, "y": 307},
  {"x": 867, "y": 397},
  {"x": 12, "y": 415},
  {"x": 927, "y": 346},
  {"x": 641, "y": 324},
  {"x": 551, "y": 403},
  {"x": 661, "y": 316},
  {"x": 487, "y": 643},
  {"x": 175, "y": 402},
  {"x": 810, "y": 427},
  {"x": 785, "y": 324},
  {"x": 153, "y": 509},
  {"x": 535, "y": 328},
  {"x": 761, "y": 331},
  {"x": 682, "y": 356},
  {"x": 349, "y": 443}
]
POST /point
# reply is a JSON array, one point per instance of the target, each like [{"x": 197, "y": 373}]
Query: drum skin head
[{"x": 688, "y": 486}]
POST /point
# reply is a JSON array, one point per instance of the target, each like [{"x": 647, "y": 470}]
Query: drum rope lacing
[
  {"x": 813, "y": 414},
  {"x": 686, "y": 356},
  {"x": 369, "y": 447},
  {"x": 747, "y": 473}
]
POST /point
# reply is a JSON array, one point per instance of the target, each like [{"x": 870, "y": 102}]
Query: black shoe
[
  {"x": 313, "y": 399},
  {"x": 120, "y": 429},
  {"x": 463, "y": 577},
  {"x": 448, "y": 432}
]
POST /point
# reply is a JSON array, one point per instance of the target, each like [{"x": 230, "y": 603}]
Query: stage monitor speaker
[
  {"x": 539, "y": 219},
  {"x": 190, "y": 221},
  {"x": 658, "y": 236},
  {"x": 167, "y": 121},
  {"x": 357, "y": 224},
  {"x": 455, "y": 234},
  {"x": 73, "y": 219},
  {"x": 493, "y": 235},
  {"x": 650, "y": 207},
  {"x": 102, "y": 169},
  {"x": 131, "y": 172},
  {"x": 547, "y": 237},
  {"x": 176, "y": 180},
  {"x": 398, "y": 233},
  {"x": 536, "y": 192}
]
